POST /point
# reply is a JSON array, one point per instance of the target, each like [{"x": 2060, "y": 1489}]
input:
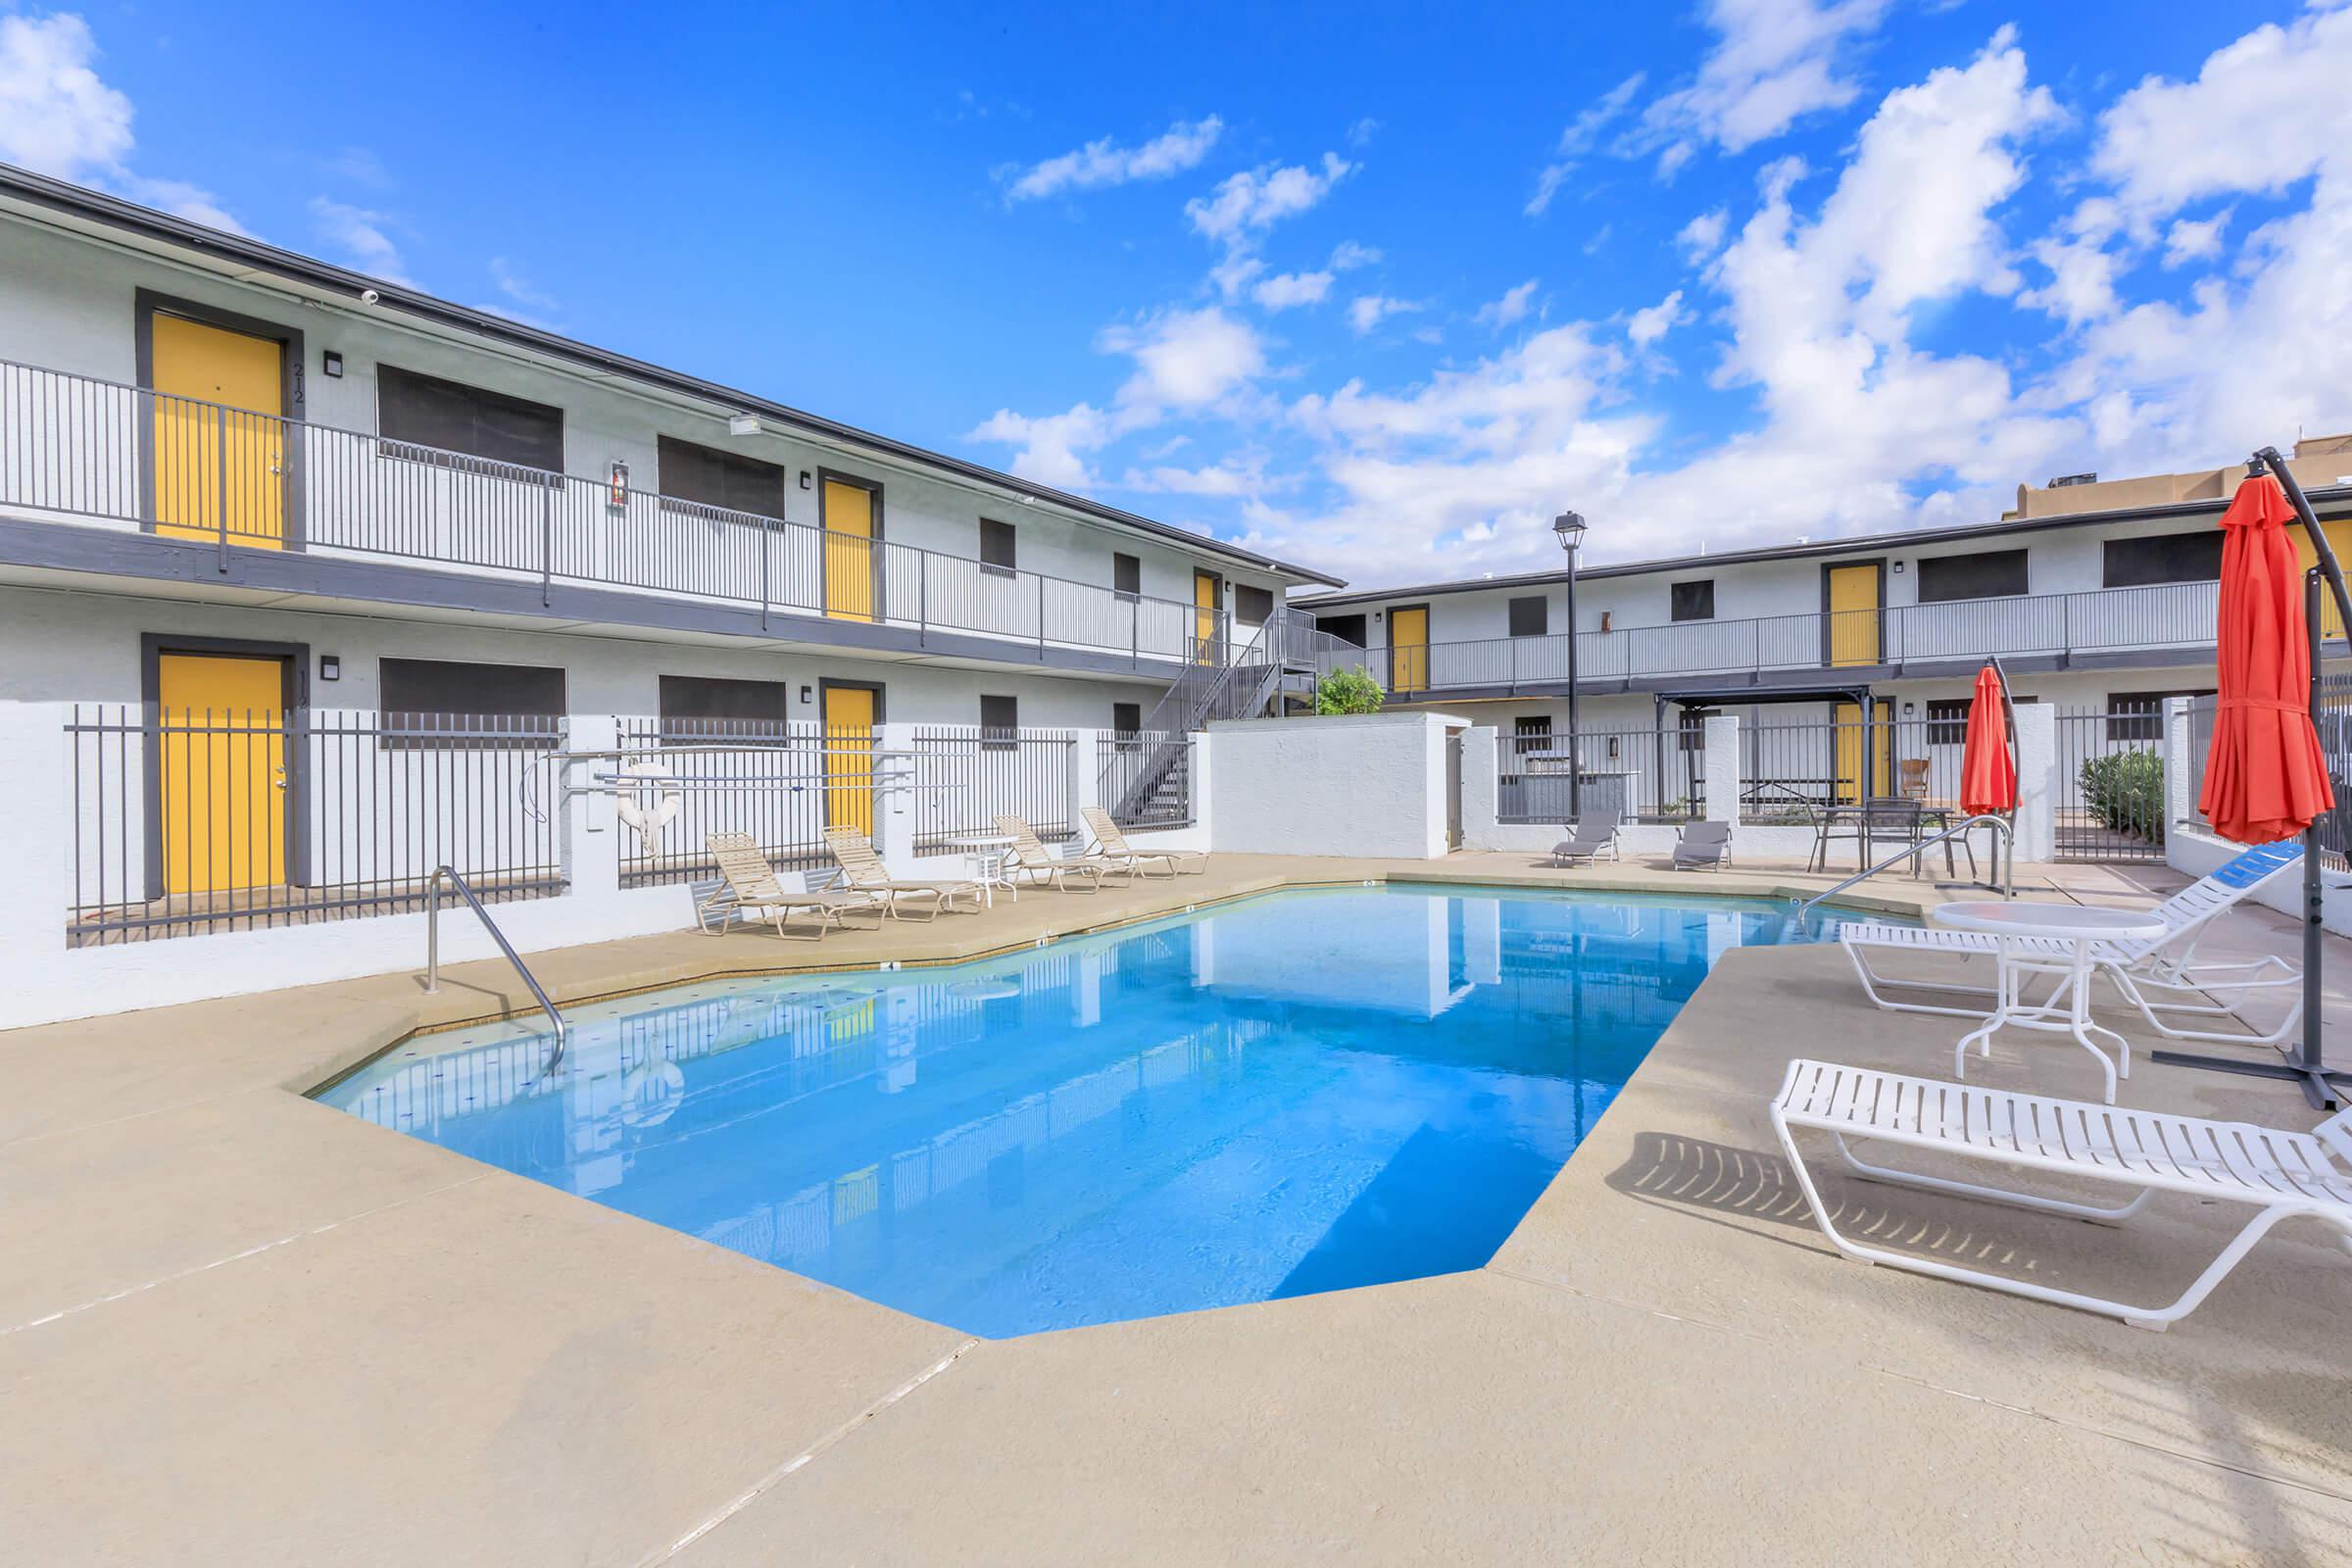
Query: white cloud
[
  {"x": 1184, "y": 359},
  {"x": 1652, "y": 322},
  {"x": 1773, "y": 63},
  {"x": 1097, "y": 164},
  {"x": 1286, "y": 289},
  {"x": 1578, "y": 140},
  {"x": 2191, "y": 240},
  {"x": 1347, "y": 255},
  {"x": 359, "y": 235},
  {"x": 1053, "y": 445},
  {"x": 1362, "y": 131},
  {"x": 1513, "y": 307},
  {"x": 1702, "y": 237},
  {"x": 1367, "y": 310},
  {"x": 1256, "y": 199},
  {"x": 519, "y": 288},
  {"x": 59, "y": 118}
]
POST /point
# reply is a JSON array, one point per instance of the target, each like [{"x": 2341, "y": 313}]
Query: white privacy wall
[{"x": 1371, "y": 785}]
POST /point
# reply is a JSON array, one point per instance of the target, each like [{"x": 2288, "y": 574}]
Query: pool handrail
[
  {"x": 2007, "y": 888},
  {"x": 432, "y": 949}
]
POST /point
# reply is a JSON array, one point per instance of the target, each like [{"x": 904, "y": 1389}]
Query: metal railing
[
  {"x": 2104, "y": 620},
  {"x": 186, "y": 821},
  {"x": 1147, "y": 779},
  {"x": 2004, "y": 839},
  {"x": 1654, "y": 774},
  {"x": 964, "y": 777},
  {"x": 432, "y": 951},
  {"x": 191, "y": 469},
  {"x": 775, "y": 781}
]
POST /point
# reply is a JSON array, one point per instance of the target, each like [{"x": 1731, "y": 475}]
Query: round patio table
[
  {"x": 987, "y": 851},
  {"x": 2024, "y": 933}
]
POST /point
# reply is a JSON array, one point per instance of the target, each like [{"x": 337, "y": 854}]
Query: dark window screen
[
  {"x": 997, "y": 547},
  {"x": 1693, "y": 601},
  {"x": 709, "y": 477},
  {"x": 1990, "y": 574},
  {"x": 1691, "y": 733},
  {"x": 428, "y": 411},
  {"x": 1000, "y": 721},
  {"x": 1532, "y": 734},
  {"x": 1947, "y": 721},
  {"x": 1126, "y": 719},
  {"x": 1530, "y": 618},
  {"x": 1126, "y": 573},
  {"x": 2164, "y": 557},
  {"x": 1251, "y": 606},
  {"x": 712, "y": 705},
  {"x": 1349, "y": 629},
  {"x": 2140, "y": 715},
  {"x": 435, "y": 702}
]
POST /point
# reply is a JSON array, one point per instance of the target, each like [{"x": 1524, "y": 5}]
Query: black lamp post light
[{"x": 1569, "y": 528}]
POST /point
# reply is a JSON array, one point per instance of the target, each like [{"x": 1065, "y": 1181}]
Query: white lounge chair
[
  {"x": 2159, "y": 975},
  {"x": 1589, "y": 837},
  {"x": 862, "y": 869},
  {"x": 1032, "y": 863},
  {"x": 2279, "y": 1175},
  {"x": 1111, "y": 843},
  {"x": 748, "y": 886}
]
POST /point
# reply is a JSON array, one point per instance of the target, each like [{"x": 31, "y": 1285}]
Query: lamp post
[{"x": 1569, "y": 528}]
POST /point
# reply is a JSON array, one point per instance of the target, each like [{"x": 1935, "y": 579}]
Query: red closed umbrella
[
  {"x": 2264, "y": 779},
  {"x": 1988, "y": 773}
]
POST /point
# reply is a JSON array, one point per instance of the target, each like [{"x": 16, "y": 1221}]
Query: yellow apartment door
[
  {"x": 1851, "y": 787},
  {"x": 1409, "y": 650},
  {"x": 220, "y": 761},
  {"x": 220, "y": 441},
  {"x": 2339, "y": 540},
  {"x": 850, "y": 758},
  {"x": 1854, "y": 615},
  {"x": 849, "y": 551},
  {"x": 1208, "y": 596}
]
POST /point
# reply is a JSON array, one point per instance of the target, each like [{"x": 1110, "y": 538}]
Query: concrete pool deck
[{"x": 245, "y": 1328}]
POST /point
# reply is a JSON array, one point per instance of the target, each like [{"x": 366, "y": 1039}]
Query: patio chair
[
  {"x": 2278, "y": 1174},
  {"x": 1914, "y": 778},
  {"x": 2160, "y": 975},
  {"x": 1032, "y": 862},
  {"x": 1589, "y": 837},
  {"x": 1703, "y": 844},
  {"x": 1894, "y": 819},
  {"x": 1830, "y": 822},
  {"x": 1111, "y": 843},
  {"x": 748, "y": 886},
  {"x": 862, "y": 869}
]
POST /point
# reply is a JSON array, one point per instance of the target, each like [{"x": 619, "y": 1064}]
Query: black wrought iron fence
[
  {"x": 964, "y": 777},
  {"x": 2111, "y": 792},
  {"x": 1145, "y": 779},
  {"x": 188, "y": 821},
  {"x": 1642, "y": 774},
  {"x": 686, "y": 779}
]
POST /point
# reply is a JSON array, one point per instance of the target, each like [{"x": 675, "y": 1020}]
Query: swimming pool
[{"x": 1300, "y": 1092}]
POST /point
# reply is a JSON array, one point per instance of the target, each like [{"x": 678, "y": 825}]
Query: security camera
[{"x": 369, "y": 296}]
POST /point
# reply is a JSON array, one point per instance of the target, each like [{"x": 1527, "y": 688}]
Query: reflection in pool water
[{"x": 1298, "y": 1093}]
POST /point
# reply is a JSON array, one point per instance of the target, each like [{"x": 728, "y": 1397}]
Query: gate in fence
[{"x": 2111, "y": 781}]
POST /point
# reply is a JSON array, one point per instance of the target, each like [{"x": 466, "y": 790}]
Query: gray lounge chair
[
  {"x": 1705, "y": 844},
  {"x": 1589, "y": 837}
]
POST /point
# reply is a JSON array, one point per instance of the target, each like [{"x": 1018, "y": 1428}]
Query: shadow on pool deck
[{"x": 244, "y": 1328}]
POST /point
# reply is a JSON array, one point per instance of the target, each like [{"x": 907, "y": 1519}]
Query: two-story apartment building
[{"x": 2098, "y": 598}]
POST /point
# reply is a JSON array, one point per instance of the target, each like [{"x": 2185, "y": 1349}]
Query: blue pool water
[{"x": 1296, "y": 1092}]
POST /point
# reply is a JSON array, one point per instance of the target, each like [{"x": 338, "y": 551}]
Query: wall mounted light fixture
[
  {"x": 807, "y": 693},
  {"x": 804, "y": 479},
  {"x": 334, "y": 364},
  {"x": 330, "y": 667},
  {"x": 1898, "y": 569}
]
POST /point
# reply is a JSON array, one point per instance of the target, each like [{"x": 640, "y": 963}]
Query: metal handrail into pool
[
  {"x": 432, "y": 949},
  {"x": 2006, "y": 888}
]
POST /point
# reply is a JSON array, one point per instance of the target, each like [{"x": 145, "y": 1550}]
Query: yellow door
[
  {"x": 849, "y": 551},
  {"x": 1209, "y": 593},
  {"x": 1851, "y": 787},
  {"x": 220, "y": 443},
  {"x": 221, "y": 759},
  {"x": 1409, "y": 650},
  {"x": 1854, "y": 615},
  {"x": 850, "y": 758},
  {"x": 2339, "y": 540}
]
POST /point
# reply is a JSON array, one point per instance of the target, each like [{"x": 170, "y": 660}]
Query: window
[
  {"x": 2164, "y": 557},
  {"x": 1692, "y": 734},
  {"x": 1531, "y": 734},
  {"x": 1989, "y": 574},
  {"x": 1349, "y": 629},
  {"x": 999, "y": 723},
  {"x": 1947, "y": 720},
  {"x": 702, "y": 705},
  {"x": 1693, "y": 601},
  {"x": 706, "y": 476},
  {"x": 2140, "y": 715},
  {"x": 1126, "y": 574},
  {"x": 1251, "y": 606},
  {"x": 1530, "y": 618},
  {"x": 997, "y": 555},
  {"x": 1126, "y": 719},
  {"x": 478, "y": 705},
  {"x": 428, "y": 411}
]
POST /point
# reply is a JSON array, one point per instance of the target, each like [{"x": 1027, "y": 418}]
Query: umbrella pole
[{"x": 2308, "y": 1067}]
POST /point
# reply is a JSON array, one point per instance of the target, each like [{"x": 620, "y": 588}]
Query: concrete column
[
  {"x": 2179, "y": 767},
  {"x": 1481, "y": 787},
  {"x": 1723, "y": 767},
  {"x": 37, "y": 893},
  {"x": 2038, "y": 785},
  {"x": 900, "y": 807},
  {"x": 590, "y": 831}
]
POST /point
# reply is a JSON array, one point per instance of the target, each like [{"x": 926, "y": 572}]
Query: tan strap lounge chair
[
  {"x": 862, "y": 868},
  {"x": 1033, "y": 863},
  {"x": 749, "y": 886},
  {"x": 1111, "y": 843}
]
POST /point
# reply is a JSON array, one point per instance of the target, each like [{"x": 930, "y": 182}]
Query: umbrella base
[{"x": 2322, "y": 1086}]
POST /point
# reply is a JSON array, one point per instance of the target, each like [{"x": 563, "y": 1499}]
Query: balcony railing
[
  {"x": 2109, "y": 620},
  {"x": 225, "y": 476}
]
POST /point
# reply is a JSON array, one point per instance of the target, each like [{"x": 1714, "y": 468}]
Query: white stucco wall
[{"x": 1369, "y": 785}]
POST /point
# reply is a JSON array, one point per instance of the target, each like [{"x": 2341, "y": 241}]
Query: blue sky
[{"x": 1379, "y": 289}]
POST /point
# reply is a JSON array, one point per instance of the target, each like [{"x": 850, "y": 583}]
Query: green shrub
[
  {"x": 2124, "y": 792},
  {"x": 1349, "y": 691}
]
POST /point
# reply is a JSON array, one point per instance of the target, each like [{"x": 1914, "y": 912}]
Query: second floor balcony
[
  {"x": 2165, "y": 623},
  {"x": 103, "y": 454}
]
